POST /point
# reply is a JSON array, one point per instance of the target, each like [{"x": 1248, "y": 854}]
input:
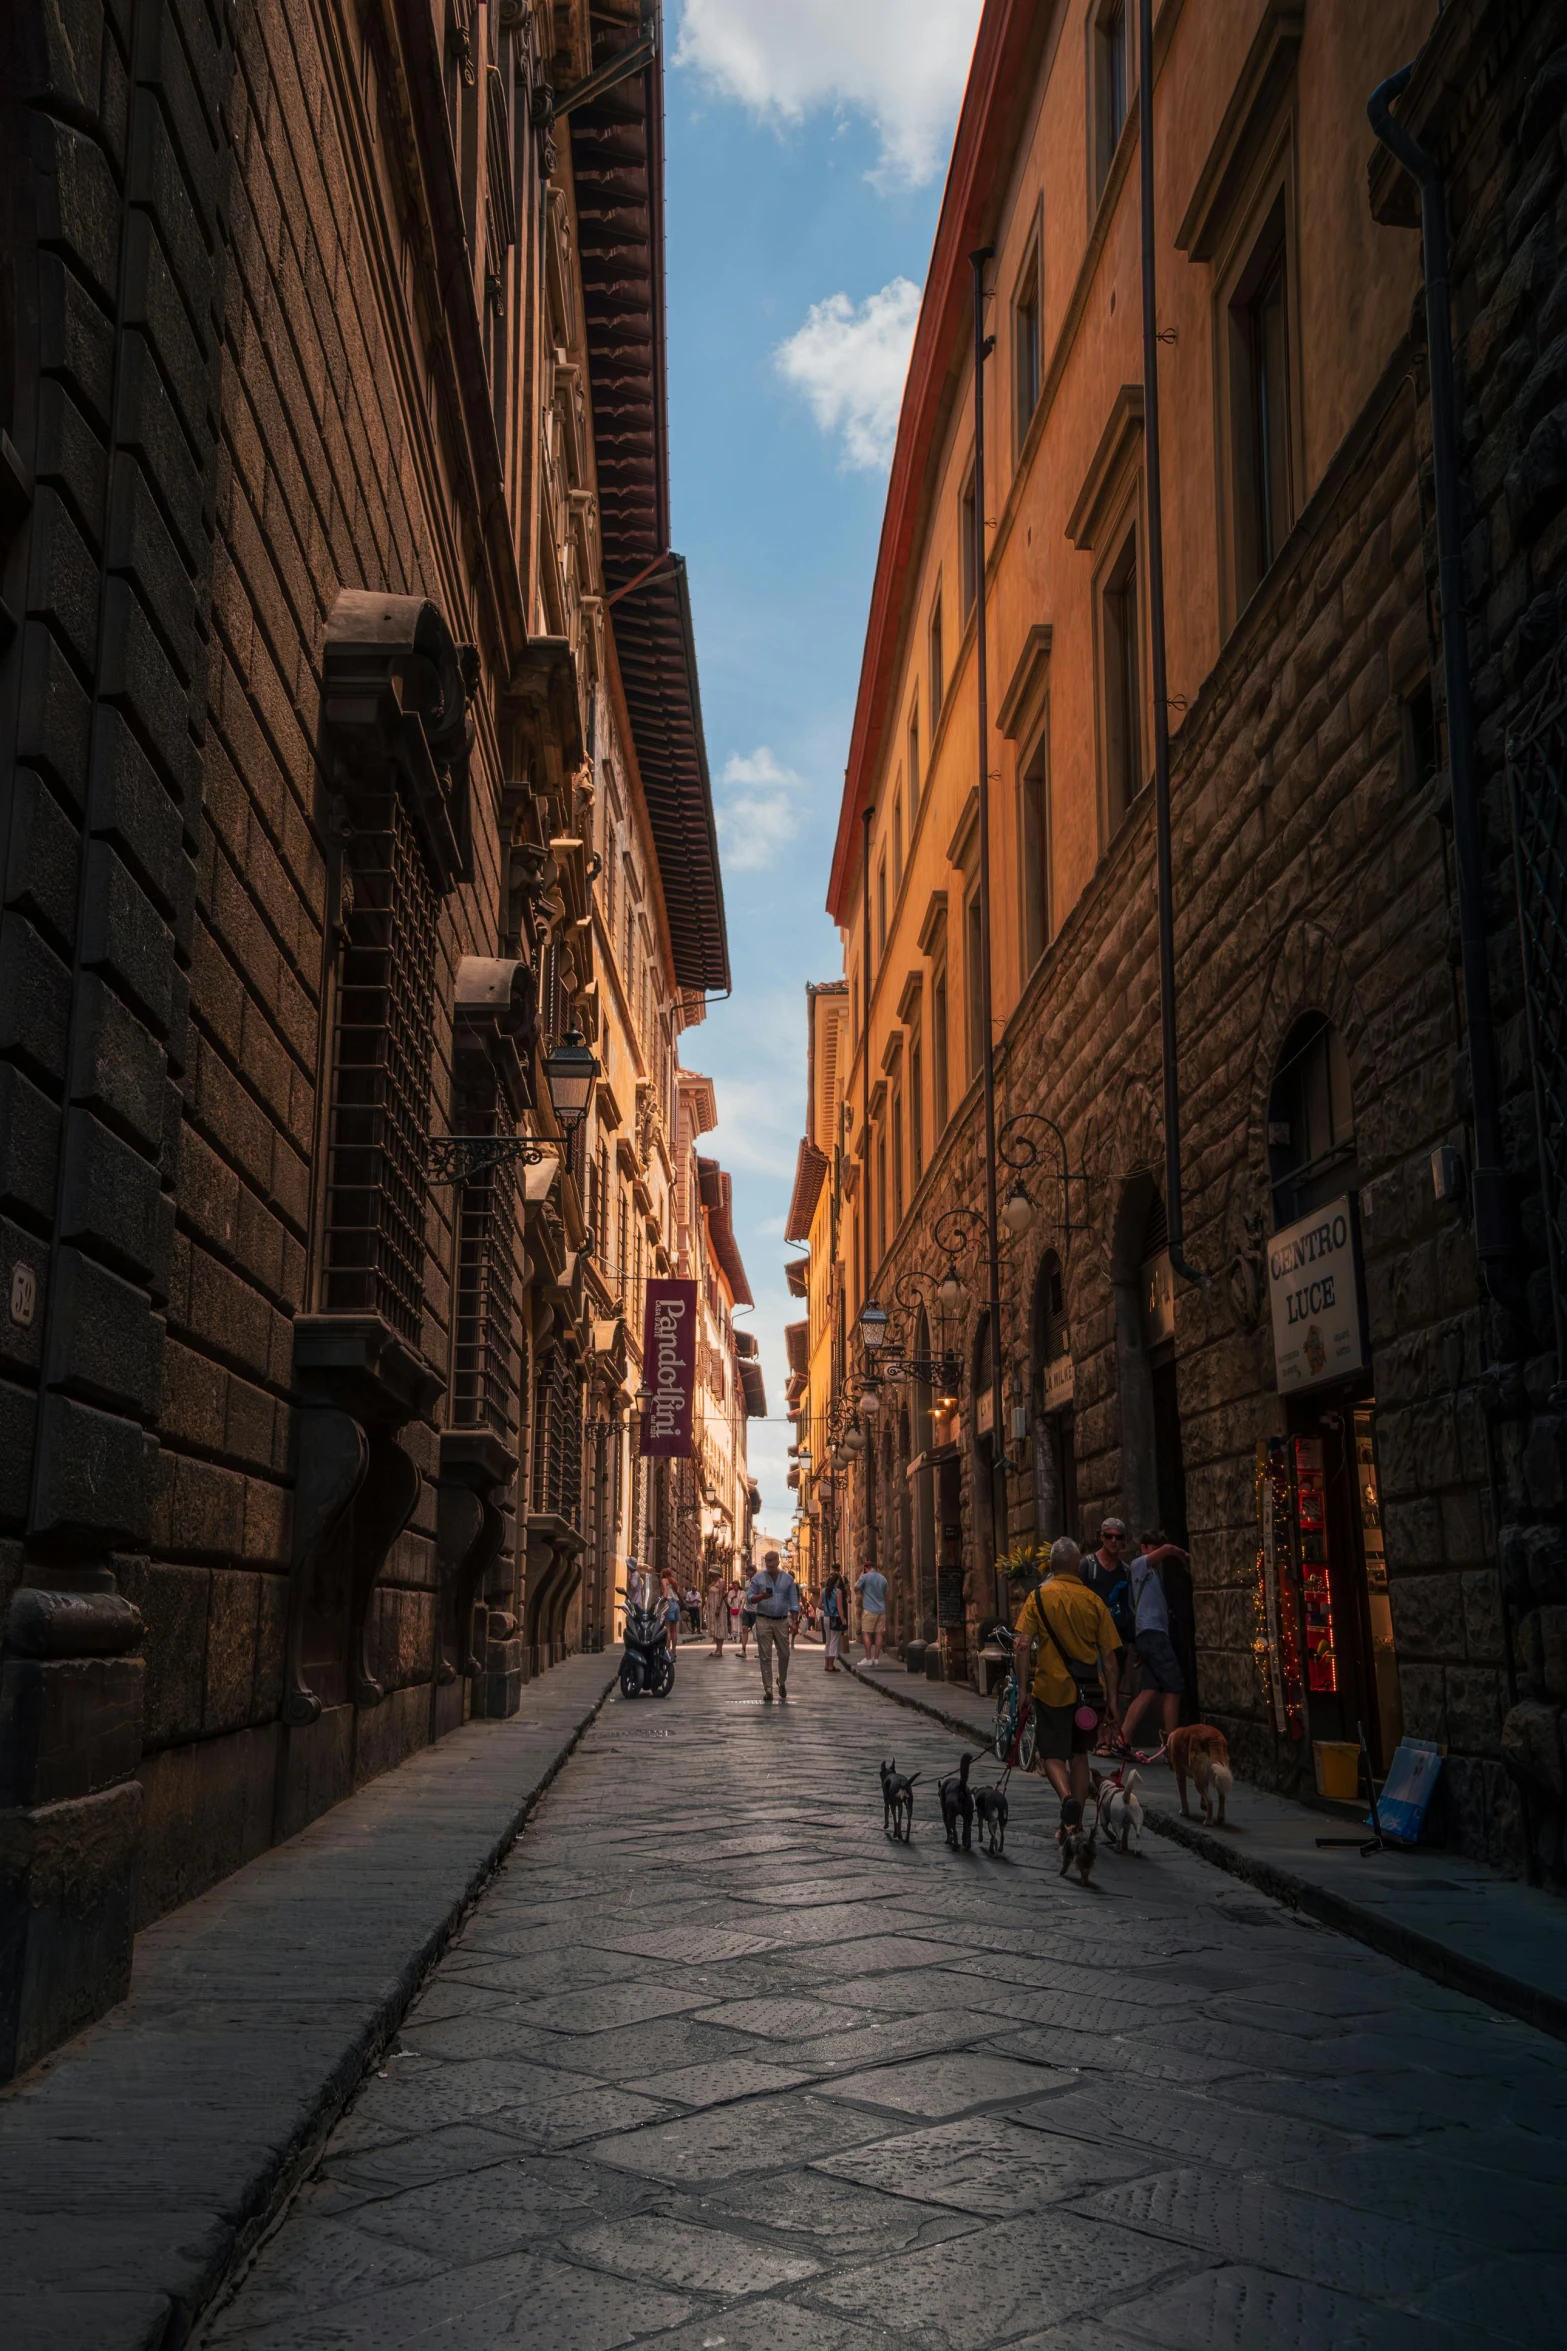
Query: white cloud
[
  {"x": 760, "y": 810},
  {"x": 901, "y": 63},
  {"x": 850, "y": 364}
]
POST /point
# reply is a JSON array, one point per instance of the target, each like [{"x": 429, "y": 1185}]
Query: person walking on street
[
  {"x": 669, "y": 1605},
  {"x": 871, "y": 1586},
  {"x": 834, "y": 1613},
  {"x": 1161, "y": 1668},
  {"x": 693, "y": 1605},
  {"x": 1066, "y": 1640},
  {"x": 734, "y": 1600},
  {"x": 774, "y": 1597},
  {"x": 1105, "y": 1572},
  {"x": 715, "y": 1612}
]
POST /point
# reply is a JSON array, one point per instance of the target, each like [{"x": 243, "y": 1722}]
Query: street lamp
[
  {"x": 873, "y": 1324},
  {"x": 1018, "y": 1212},
  {"x": 870, "y": 1396},
  {"x": 569, "y": 1073},
  {"x": 853, "y": 1441},
  {"x": 949, "y": 1294}
]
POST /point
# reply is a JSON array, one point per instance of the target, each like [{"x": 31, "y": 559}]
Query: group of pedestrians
[
  {"x": 1071, "y": 1638},
  {"x": 773, "y": 1606}
]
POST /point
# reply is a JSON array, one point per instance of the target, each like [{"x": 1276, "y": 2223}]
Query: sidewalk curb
[
  {"x": 372, "y": 1902},
  {"x": 295, "y": 2163},
  {"x": 1529, "y": 2003}
]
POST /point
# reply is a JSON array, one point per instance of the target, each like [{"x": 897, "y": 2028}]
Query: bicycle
[{"x": 1013, "y": 1744}]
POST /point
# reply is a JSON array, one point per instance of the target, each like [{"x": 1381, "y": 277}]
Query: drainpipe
[
  {"x": 1492, "y": 1221},
  {"x": 1173, "y": 1206},
  {"x": 983, "y": 345}
]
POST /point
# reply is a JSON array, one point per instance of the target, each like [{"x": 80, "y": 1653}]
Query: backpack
[{"x": 1118, "y": 1599}]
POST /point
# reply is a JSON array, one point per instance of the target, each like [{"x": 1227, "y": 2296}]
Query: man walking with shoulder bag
[
  {"x": 1066, "y": 1649},
  {"x": 774, "y": 1596}
]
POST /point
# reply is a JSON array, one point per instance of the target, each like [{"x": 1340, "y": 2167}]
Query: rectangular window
[
  {"x": 881, "y": 908},
  {"x": 381, "y": 1076},
  {"x": 881, "y": 1196},
  {"x": 897, "y": 1161},
  {"x": 897, "y": 845},
  {"x": 1034, "y": 845},
  {"x": 973, "y": 980},
  {"x": 938, "y": 674},
  {"x": 916, "y": 1108},
  {"x": 1026, "y": 358},
  {"x": 914, "y": 763},
  {"x": 1122, "y": 682},
  {"x": 1259, "y": 342},
  {"x": 967, "y": 551},
  {"x": 938, "y": 1052},
  {"x": 1112, "y": 79}
]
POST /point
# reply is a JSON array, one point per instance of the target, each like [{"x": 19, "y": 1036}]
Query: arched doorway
[
  {"x": 922, "y": 1497},
  {"x": 1053, "y": 1415},
  {"x": 1153, "y": 1474}
]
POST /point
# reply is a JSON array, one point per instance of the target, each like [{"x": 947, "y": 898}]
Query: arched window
[{"x": 1311, "y": 1121}]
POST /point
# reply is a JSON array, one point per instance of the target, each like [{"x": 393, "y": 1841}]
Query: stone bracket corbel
[
  {"x": 476, "y": 1469},
  {"x": 359, "y": 1385},
  {"x": 333, "y": 1459}
]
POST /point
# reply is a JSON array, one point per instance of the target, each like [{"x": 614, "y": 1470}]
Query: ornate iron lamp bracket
[
  {"x": 1022, "y": 1150},
  {"x": 462, "y": 1159}
]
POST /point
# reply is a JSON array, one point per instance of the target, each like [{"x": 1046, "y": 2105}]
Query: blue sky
[{"x": 805, "y": 141}]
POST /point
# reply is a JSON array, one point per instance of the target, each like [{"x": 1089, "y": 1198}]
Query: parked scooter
[{"x": 647, "y": 1663}]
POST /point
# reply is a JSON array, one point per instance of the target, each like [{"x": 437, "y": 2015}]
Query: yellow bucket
[{"x": 1338, "y": 1769}]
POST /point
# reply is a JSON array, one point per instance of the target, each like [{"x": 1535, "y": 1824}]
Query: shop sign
[
  {"x": 1314, "y": 1288},
  {"x": 1060, "y": 1381},
  {"x": 668, "y": 1362}
]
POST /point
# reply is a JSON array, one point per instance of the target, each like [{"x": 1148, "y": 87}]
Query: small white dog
[{"x": 1120, "y": 1819}]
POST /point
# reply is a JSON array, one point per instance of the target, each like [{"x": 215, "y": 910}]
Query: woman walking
[
  {"x": 669, "y": 1603},
  {"x": 715, "y": 1614},
  {"x": 835, "y": 1605}
]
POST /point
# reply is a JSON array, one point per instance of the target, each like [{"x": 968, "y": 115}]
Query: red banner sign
[{"x": 669, "y": 1368}]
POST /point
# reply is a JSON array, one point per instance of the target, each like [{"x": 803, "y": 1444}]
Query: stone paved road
[{"x": 715, "y": 2065}]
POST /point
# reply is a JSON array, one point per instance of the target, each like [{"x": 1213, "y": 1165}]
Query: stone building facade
[
  {"x": 345, "y": 679},
  {"x": 1346, "y": 1516}
]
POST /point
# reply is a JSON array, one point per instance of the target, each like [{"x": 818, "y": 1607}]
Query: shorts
[
  {"x": 1059, "y": 1734},
  {"x": 871, "y": 1619},
  {"x": 1161, "y": 1664}
]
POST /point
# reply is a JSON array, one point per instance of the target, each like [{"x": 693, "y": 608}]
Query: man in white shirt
[
  {"x": 871, "y": 1588},
  {"x": 774, "y": 1598}
]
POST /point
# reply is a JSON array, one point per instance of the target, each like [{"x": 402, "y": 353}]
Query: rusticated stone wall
[
  {"x": 1489, "y": 100},
  {"x": 1313, "y": 873}
]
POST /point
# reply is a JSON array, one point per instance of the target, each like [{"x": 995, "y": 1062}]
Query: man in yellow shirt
[{"x": 1072, "y": 1633}]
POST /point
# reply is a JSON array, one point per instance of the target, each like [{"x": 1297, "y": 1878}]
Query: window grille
[
  {"x": 483, "y": 1385},
  {"x": 557, "y": 1439},
  {"x": 381, "y": 1079}
]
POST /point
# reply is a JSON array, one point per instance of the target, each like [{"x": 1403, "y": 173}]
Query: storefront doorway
[{"x": 1347, "y": 1664}]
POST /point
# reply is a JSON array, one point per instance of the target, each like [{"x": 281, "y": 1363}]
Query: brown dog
[{"x": 1200, "y": 1753}]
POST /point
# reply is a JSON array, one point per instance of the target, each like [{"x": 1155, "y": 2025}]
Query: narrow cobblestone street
[{"x": 716, "y": 2065}]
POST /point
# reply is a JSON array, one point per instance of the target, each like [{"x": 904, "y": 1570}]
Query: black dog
[
  {"x": 897, "y": 1799},
  {"x": 991, "y": 1805},
  {"x": 957, "y": 1804},
  {"x": 1078, "y": 1845}
]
